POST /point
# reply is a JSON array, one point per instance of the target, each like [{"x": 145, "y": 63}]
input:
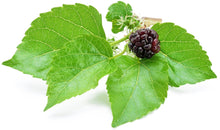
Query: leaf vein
[
  {"x": 183, "y": 51},
  {"x": 84, "y": 54},
  {"x": 75, "y": 24},
  {"x": 51, "y": 30},
  {"x": 152, "y": 81},
  {"x": 42, "y": 43},
  {"x": 133, "y": 90}
]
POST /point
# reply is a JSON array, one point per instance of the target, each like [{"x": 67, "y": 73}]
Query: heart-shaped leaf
[
  {"x": 50, "y": 32},
  {"x": 137, "y": 88},
  {"x": 78, "y": 67},
  {"x": 188, "y": 63}
]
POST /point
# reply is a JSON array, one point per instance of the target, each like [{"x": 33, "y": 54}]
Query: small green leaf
[
  {"x": 137, "y": 88},
  {"x": 119, "y": 14},
  {"x": 118, "y": 10},
  {"x": 50, "y": 32},
  {"x": 78, "y": 67},
  {"x": 188, "y": 63},
  {"x": 117, "y": 26}
]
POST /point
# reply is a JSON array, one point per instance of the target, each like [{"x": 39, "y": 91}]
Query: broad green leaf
[
  {"x": 78, "y": 67},
  {"x": 188, "y": 63},
  {"x": 137, "y": 88},
  {"x": 50, "y": 32},
  {"x": 119, "y": 13}
]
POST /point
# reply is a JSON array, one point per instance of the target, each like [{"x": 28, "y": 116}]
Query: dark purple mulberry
[{"x": 144, "y": 43}]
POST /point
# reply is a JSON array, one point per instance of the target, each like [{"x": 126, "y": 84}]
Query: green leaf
[
  {"x": 118, "y": 10},
  {"x": 50, "y": 32},
  {"x": 78, "y": 67},
  {"x": 117, "y": 26},
  {"x": 119, "y": 13},
  {"x": 137, "y": 88},
  {"x": 188, "y": 63}
]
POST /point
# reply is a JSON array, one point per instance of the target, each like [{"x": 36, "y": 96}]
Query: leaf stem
[
  {"x": 120, "y": 40},
  {"x": 125, "y": 48}
]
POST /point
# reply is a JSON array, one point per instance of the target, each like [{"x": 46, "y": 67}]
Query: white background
[{"x": 190, "y": 107}]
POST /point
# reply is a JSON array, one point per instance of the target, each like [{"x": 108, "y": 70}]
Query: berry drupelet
[{"x": 144, "y": 43}]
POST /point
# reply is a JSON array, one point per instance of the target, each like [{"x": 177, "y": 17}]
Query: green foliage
[
  {"x": 120, "y": 14},
  {"x": 50, "y": 32},
  {"x": 68, "y": 48},
  {"x": 188, "y": 63},
  {"x": 118, "y": 10},
  {"x": 137, "y": 88},
  {"x": 78, "y": 67}
]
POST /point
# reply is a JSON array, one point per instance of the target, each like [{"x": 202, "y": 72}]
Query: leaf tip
[
  {"x": 7, "y": 63},
  {"x": 214, "y": 75},
  {"x": 114, "y": 124},
  {"x": 4, "y": 63},
  {"x": 47, "y": 107}
]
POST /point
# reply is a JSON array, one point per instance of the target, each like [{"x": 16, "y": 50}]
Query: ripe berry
[{"x": 144, "y": 43}]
